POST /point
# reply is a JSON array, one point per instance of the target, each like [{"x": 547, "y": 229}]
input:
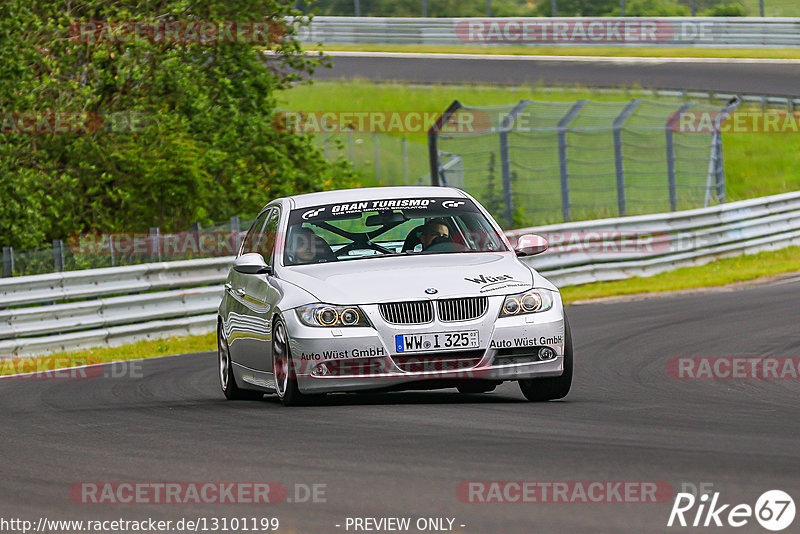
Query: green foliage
[
  {"x": 653, "y": 8},
  {"x": 726, "y": 9},
  {"x": 200, "y": 140}
]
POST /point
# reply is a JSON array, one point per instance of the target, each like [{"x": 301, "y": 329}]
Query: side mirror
[
  {"x": 530, "y": 245},
  {"x": 251, "y": 263}
]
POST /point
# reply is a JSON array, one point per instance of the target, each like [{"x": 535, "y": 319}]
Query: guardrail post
[
  {"x": 563, "y": 169},
  {"x": 618, "y": 160},
  {"x": 155, "y": 244},
  {"x": 672, "y": 182},
  {"x": 8, "y": 262},
  {"x": 58, "y": 255}
]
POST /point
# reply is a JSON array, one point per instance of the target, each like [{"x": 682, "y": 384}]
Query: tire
[
  {"x": 551, "y": 388},
  {"x": 476, "y": 386},
  {"x": 283, "y": 367},
  {"x": 226, "y": 379}
]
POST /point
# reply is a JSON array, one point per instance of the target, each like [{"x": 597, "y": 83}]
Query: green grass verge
[
  {"x": 545, "y": 50},
  {"x": 134, "y": 351},
  {"x": 718, "y": 273}
]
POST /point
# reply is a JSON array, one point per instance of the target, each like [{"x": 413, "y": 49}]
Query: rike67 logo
[{"x": 774, "y": 510}]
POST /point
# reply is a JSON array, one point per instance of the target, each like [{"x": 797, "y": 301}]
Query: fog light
[
  {"x": 546, "y": 353},
  {"x": 321, "y": 370}
]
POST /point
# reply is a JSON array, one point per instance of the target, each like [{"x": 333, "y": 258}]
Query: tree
[{"x": 179, "y": 129}]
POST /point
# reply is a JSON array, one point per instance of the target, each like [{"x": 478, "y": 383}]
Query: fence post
[
  {"x": 719, "y": 173},
  {"x": 111, "y": 248},
  {"x": 350, "y": 145},
  {"x": 553, "y": 8},
  {"x": 236, "y": 230},
  {"x": 58, "y": 255},
  {"x": 405, "y": 160},
  {"x": 155, "y": 244},
  {"x": 377, "y": 155},
  {"x": 433, "y": 141},
  {"x": 672, "y": 183},
  {"x": 563, "y": 124},
  {"x": 505, "y": 159},
  {"x": 618, "y": 161},
  {"x": 8, "y": 262}
]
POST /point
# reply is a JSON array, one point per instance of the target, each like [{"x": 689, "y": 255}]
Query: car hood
[{"x": 378, "y": 279}]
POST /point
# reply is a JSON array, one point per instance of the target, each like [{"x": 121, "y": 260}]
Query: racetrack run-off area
[{"x": 405, "y": 454}]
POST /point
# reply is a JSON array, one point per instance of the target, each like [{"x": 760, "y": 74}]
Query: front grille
[
  {"x": 444, "y": 361},
  {"x": 463, "y": 309},
  {"x": 415, "y": 312}
]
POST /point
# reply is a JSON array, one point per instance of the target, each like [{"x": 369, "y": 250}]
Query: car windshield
[{"x": 376, "y": 228}]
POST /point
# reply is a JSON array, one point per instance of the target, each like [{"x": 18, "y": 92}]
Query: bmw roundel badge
[{"x": 431, "y": 291}]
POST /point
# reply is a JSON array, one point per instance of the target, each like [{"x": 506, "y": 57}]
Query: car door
[
  {"x": 262, "y": 295},
  {"x": 259, "y": 296},
  {"x": 241, "y": 326}
]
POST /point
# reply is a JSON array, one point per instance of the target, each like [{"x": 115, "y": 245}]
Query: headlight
[
  {"x": 532, "y": 301},
  {"x": 331, "y": 316}
]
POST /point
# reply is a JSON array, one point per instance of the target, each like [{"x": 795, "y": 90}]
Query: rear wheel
[
  {"x": 283, "y": 367},
  {"x": 551, "y": 388},
  {"x": 226, "y": 378}
]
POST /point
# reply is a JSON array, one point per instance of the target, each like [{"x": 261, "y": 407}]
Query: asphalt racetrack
[
  {"x": 772, "y": 77},
  {"x": 405, "y": 454}
]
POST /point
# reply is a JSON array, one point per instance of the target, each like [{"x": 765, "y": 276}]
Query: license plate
[{"x": 436, "y": 341}]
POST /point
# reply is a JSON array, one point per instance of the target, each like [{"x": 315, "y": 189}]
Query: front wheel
[
  {"x": 226, "y": 379},
  {"x": 283, "y": 367},
  {"x": 556, "y": 387}
]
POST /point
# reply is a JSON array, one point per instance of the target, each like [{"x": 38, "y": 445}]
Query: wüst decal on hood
[{"x": 496, "y": 282}]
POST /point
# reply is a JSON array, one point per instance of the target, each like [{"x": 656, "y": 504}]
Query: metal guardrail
[
  {"x": 127, "y": 304},
  {"x": 649, "y": 31}
]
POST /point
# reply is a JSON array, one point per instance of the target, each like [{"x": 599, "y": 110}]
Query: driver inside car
[
  {"x": 434, "y": 232},
  {"x": 305, "y": 246}
]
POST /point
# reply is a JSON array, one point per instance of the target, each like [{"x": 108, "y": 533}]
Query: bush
[
  {"x": 198, "y": 139},
  {"x": 726, "y": 10}
]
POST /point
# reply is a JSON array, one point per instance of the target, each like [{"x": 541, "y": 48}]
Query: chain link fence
[
  {"x": 535, "y": 163},
  {"x": 381, "y": 159},
  {"x": 93, "y": 251}
]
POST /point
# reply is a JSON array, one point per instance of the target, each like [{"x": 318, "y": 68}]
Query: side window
[
  {"x": 266, "y": 244},
  {"x": 250, "y": 243}
]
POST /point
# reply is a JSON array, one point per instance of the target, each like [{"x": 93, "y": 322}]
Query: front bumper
[{"x": 362, "y": 358}]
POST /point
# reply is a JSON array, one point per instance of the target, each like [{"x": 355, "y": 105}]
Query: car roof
[{"x": 372, "y": 193}]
